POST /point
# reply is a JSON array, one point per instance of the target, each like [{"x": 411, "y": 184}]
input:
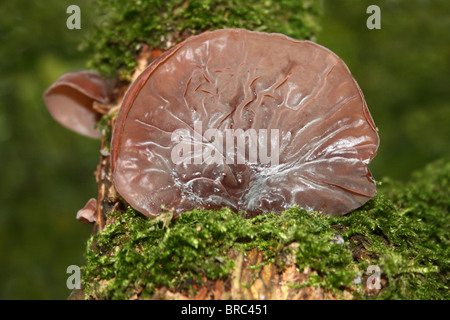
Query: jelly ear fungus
[
  {"x": 234, "y": 79},
  {"x": 71, "y": 99}
]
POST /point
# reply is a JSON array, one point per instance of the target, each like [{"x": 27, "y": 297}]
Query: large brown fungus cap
[
  {"x": 238, "y": 79},
  {"x": 70, "y": 101}
]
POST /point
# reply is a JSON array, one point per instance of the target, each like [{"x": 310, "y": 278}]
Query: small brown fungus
[
  {"x": 193, "y": 128},
  {"x": 70, "y": 101},
  {"x": 88, "y": 213}
]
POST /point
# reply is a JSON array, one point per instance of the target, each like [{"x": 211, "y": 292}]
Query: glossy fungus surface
[
  {"x": 70, "y": 101},
  {"x": 170, "y": 148}
]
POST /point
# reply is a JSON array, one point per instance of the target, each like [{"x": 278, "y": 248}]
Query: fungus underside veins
[{"x": 404, "y": 230}]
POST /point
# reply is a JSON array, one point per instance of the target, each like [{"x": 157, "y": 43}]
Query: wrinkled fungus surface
[{"x": 234, "y": 79}]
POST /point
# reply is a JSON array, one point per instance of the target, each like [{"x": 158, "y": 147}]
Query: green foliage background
[
  {"x": 403, "y": 70},
  {"x": 47, "y": 170}
]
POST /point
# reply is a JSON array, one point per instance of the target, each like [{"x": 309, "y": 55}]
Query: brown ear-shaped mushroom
[
  {"x": 237, "y": 79},
  {"x": 88, "y": 213},
  {"x": 70, "y": 101}
]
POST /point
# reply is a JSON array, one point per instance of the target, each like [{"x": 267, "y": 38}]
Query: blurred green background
[{"x": 47, "y": 171}]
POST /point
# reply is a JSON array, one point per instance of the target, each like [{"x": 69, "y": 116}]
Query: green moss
[
  {"x": 419, "y": 264},
  {"x": 136, "y": 251},
  {"x": 125, "y": 25},
  {"x": 404, "y": 230}
]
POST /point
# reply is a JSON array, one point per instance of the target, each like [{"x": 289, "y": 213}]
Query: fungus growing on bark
[
  {"x": 169, "y": 146},
  {"x": 70, "y": 100},
  {"x": 88, "y": 212}
]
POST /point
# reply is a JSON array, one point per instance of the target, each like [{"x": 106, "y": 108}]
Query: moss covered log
[
  {"x": 217, "y": 254},
  {"x": 404, "y": 231}
]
